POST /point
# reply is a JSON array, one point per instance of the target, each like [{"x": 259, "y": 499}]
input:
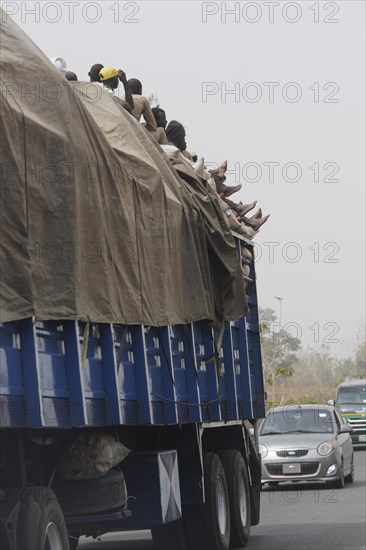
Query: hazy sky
[{"x": 292, "y": 128}]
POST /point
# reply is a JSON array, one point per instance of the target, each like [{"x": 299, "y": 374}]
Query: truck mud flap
[
  {"x": 255, "y": 474},
  {"x": 152, "y": 480}
]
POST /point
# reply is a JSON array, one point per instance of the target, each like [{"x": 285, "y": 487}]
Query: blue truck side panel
[{"x": 43, "y": 384}]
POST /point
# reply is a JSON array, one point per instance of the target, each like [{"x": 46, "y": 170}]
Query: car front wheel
[
  {"x": 339, "y": 483},
  {"x": 351, "y": 476}
]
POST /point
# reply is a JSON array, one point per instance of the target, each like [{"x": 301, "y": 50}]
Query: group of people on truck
[{"x": 172, "y": 139}]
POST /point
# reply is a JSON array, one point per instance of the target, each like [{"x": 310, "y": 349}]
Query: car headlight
[
  {"x": 325, "y": 448},
  {"x": 263, "y": 451}
]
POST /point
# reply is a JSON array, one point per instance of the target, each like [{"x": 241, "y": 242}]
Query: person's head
[
  {"x": 94, "y": 72},
  {"x": 70, "y": 76},
  {"x": 60, "y": 64},
  {"x": 109, "y": 76},
  {"x": 159, "y": 115},
  {"x": 135, "y": 86},
  {"x": 176, "y": 134}
]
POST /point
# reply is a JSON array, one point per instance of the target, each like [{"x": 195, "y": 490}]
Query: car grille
[
  {"x": 358, "y": 426},
  {"x": 307, "y": 468},
  {"x": 292, "y": 453}
]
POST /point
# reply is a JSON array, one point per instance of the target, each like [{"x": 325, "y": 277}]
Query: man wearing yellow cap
[{"x": 110, "y": 77}]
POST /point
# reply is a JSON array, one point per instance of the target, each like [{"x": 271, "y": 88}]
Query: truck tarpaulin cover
[{"x": 96, "y": 224}]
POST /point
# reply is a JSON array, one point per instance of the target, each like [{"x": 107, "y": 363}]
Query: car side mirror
[
  {"x": 331, "y": 402},
  {"x": 345, "y": 429}
]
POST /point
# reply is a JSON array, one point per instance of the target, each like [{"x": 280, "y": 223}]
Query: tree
[
  {"x": 314, "y": 378},
  {"x": 279, "y": 351},
  {"x": 316, "y": 373},
  {"x": 353, "y": 367}
]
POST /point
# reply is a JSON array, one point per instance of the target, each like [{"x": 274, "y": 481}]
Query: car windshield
[
  {"x": 355, "y": 396},
  {"x": 298, "y": 420}
]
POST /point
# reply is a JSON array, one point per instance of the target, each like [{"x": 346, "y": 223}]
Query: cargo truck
[
  {"x": 131, "y": 375},
  {"x": 167, "y": 394}
]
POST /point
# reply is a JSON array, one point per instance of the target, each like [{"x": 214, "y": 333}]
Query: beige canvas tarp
[{"x": 96, "y": 223}]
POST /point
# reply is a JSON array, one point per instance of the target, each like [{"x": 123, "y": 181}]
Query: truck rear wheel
[
  {"x": 73, "y": 542},
  {"x": 239, "y": 497},
  {"x": 208, "y": 525},
  {"x": 42, "y": 525}
]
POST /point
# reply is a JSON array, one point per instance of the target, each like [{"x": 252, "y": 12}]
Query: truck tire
[
  {"x": 171, "y": 535},
  {"x": 208, "y": 525},
  {"x": 73, "y": 542},
  {"x": 42, "y": 525},
  {"x": 92, "y": 496},
  {"x": 239, "y": 497}
]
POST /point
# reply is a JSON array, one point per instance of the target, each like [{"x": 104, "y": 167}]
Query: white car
[{"x": 306, "y": 443}]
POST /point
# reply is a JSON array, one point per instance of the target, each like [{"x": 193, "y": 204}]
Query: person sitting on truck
[
  {"x": 161, "y": 122},
  {"x": 94, "y": 72},
  {"x": 70, "y": 76},
  {"x": 142, "y": 108},
  {"x": 110, "y": 78},
  {"x": 60, "y": 64},
  {"x": 160, "y": 117},
  {"x": 240, "y": 210},
  {"x": 219, "y": 176},
  {"x": 176, "y": 147},
  {"x": 176, "y": 135}
]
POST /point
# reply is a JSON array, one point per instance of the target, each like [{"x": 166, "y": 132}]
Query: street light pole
[
  {"x": 279, "y": 298},
  {"x": 278, "y": 347}
]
